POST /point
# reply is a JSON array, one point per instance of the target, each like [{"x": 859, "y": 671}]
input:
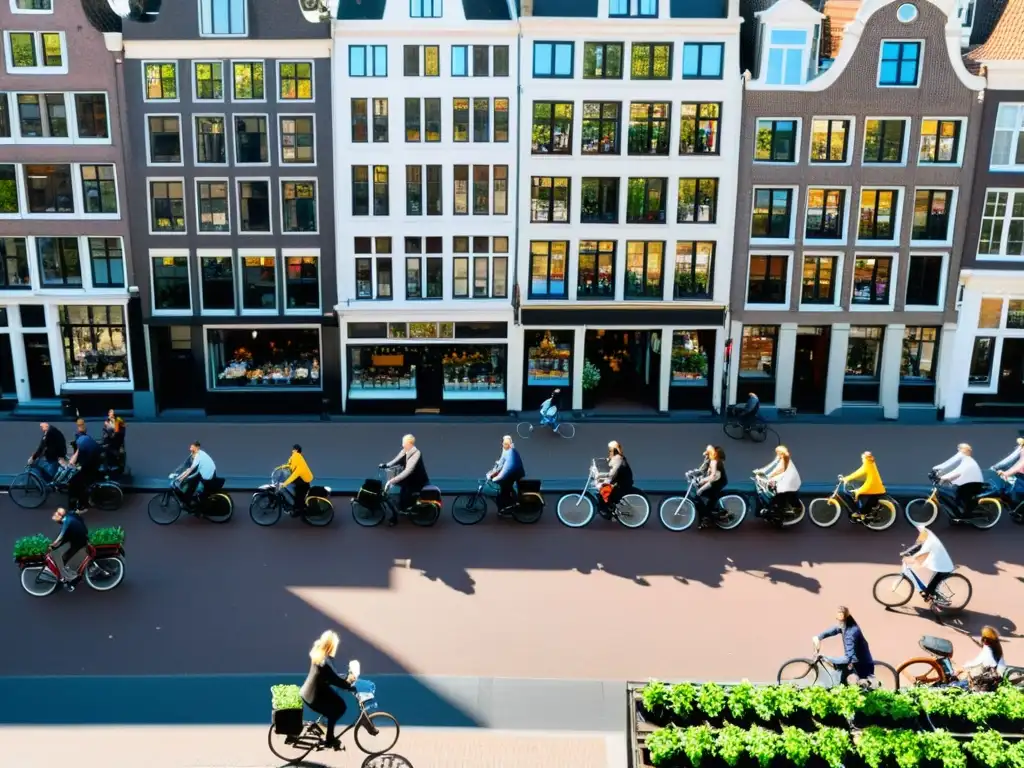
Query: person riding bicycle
[
  {"x": 710, "y": 485},
  {"x": 197, "y": 476},
  {"x": 871, "y": 490},
  {"x": 51, "y": 451},
  {"x": 930, "y": 552},
  {"x": 782, "y": 474},
  {"x": 301, "y": 475},
  {"x": 963, "y": 472},
  {"x": 617, "y": 483},
  {"x": 508, "y": 470},
  {"x": 748, "y": 413},
  {"x": 411, "y": 480},
  {"x": 112, "y": 443},
  {"x": 857, "y": 651},
  {"x": 74, "y": 535},
  {"x": 1012, "y": 468},
  {"x": 990, "y": 659},
  {"x": 549, "y": 409},
  {"x": 88, "y": 457},
  {"x": 318, "y": 691}
]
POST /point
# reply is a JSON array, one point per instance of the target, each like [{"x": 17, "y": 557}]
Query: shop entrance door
[
  {"x": 429, "y": 380},
  {"x": 40, "y": 366},
  {"x": 180, "y": 383},
  {"x": 630, "y": 367},
  {"x": 810, "y": 372},
  {"x": 1011, "y": 378}
]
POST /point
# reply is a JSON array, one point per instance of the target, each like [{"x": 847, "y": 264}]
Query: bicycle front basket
[
  {"x": 279, "y": 476},
  {"x": 366, "y": 693}
]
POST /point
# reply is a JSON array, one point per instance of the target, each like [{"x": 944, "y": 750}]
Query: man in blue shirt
[
  {"x": 507, "y": 471},
  {"x": 74, "y": 535},
  {"x": 200, "y": 474},
  {"x": 87, "y": 457}
]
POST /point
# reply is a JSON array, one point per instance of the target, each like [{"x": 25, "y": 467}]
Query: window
[
  {"x": 599, "y": 201},
  {"x": 217, "y": 283},
  {"x": 5, "y": 118},
  {"x": 552, "y": 128},
  {"x": 295, "y": 80},
  {"x": 411, "y": 60},
  {"x": 990, "y": 313},
  {"x": 645, "y": 201},
  {"x": 500, "y": 53},
  {"x": 461, "y": 187},
  {"x": 596, "y": 273},
  {"x": 786, "y": 51},
  {"x": 906, "y": 13},
  {"x": 9, "y": 203},
  {"x": 776, "y": 141},
  {"x": 766, "y": 283},
  {"x": 435, "y": 191},
  {"x": 460, "y": 61},
  {"x": 931, "y": 214},
  {"x": 490, "y": 273},
  {"x": 481, "y": 190},
  {"x": 602, "y": 61},
  {"x": 59, "y": 262},
  {"x": 481, "y": 60},
  {"x": 99, "y": 189},
  {"x": 695, "y": 269},
  {"x": 819, "y": 280},
  {"x": 251, "y": 140},
  {"x": 287, "y": 357},
  {"x": 41, "y": 52},
  {"x": 826, "y": 214},
  {"x": 413, "y": 190},
  {"x": 698, "y": 201},
  {"x": 254, "y": 206},
  {"x": 645, "y": 263},
  {"x": 425, "y": 9},
  {"x": 161, "y": 80},
  {"x": 373, "y": 275},
  {"x": 883, "y": 141},
  {"x": 248, "y": 81},
  {"x": 829, "y": 140},
  {"x": 428, "y": 283},
  {"x": 982, "y": 356},
  {"x": 412, "y": 120},
  {"x": 32, "y": 6},
  {"x": 600, "y": 128},
  {"x": 259, "y": 284},
  {"x": 381, "y": 196},
  {"x": 650, "y": 61},
  {"x": 367, "y": 61},
  {"x": 167, "y": 206},
  {"x": 209, "y": 81},
  {"x": 773, "y": 211},
  {"x": 552, "y": 59},
  {"x": 1002, "y": 224},
  {"x": 223, "y": 18},
  {"x": 359, "y": 120},
  {"x": 879, "y": 217},
  {"x": 41, "y": 115},
  {"x": 864, "y": 353},
  {"x": 460, "y": 120},
  {"x": 872, "y": 280},
  {"x": 302, "y": 283},
  {"x": 213, "y": 205},
  {"x": 919, "y": 353},
  {"x": 49, "y": 189},
  {"x": 297, "y": 136},
  {"x": 500, "y": 121},
  {"x": 106, "y": 257},
  {"x": 14, "y": 271},
  {"x": 898, "y": 65},
  {"x": 500, "y": 190},
  {"x": 164, "y": 139},
  {"x": 1008, "y": 140},
  {"x": 171, "y": 290},
  {"x": 91, "y": 114},
  {"x": 481, "y": 120},
  {"x": 649, "y": 128},
  {"x": 643, "y": 9},
  {"x": 210, "y": 144},
  {"x": 549, "y": 199},
  {"x": 699, "y": 127},
  {"x": 361, "y": 190},
  {"x": 95, "y": 346},
  {"x": 924, "y": 280},
  {"x": 757, "y": 351},
  {"x": 702, "y": 61},
  {"x": 940, "y": 141},
  {"x": 548, "y": 260}
]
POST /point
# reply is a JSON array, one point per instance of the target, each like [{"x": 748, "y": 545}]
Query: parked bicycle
[
  {"x": 677, "y": 513},
  {"x": 102, "y": 568},
  {"x": 737, "y": 428},
  {"x": 30, "y": 489},
  {"x": 985, "y": 511},
  {"x": 527, "y": 505},
  {"x": 576, "y": 510},
  {"x": 826, "y": 511},
  {"x": 371, "y": 505},
  {"x": 783, "y": 517},
  {"x": 894, "y": 590},
  {"x": 271, "y": 500},
  {"x": 807, "y": 672},
  {"x": 166, "y": 507}
]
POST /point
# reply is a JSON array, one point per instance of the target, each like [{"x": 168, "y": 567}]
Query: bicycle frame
[{"x": 911, "y": 574}]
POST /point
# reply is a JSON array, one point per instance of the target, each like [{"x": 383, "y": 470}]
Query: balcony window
[
  {"x": 645, "y": 266},
  {"x": 872, "y": 280},
  {"x": 596, "y": 276}
]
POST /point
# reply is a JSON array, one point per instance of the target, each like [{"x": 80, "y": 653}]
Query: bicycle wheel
[
  {"x": 469, "y": 509},
  {"x": 28, "y": 490},
  {"x": 885, "y": 677},
  {"x": 264, "y": 509},
  {"x": 425, "y": 513},
  {"x": 733, "y": 511},
  {"x": 527, "y": 512},
  {"x": 38, "y": 581},
  {"x": 677, "y": 513},
  {"x": 793, "y": 515},
  {"x": 386, "y": 736},
  {"x": 105, "y": 574},
  {"x": 218, "y": 508},
  {"x": 759, "y": 432},
  {"x": 825, "y": 512},
  {"x": 633, "y": 510},
  {"x": 319, "y": 511},
  {"x": 524, "y": 429},
  {"x": 1015, "y": 676},
  {"x": 293, "y": 749},
  {"x": 921, "y": 512},
  {"x": 953, "y": 594},
  {"x": 893, "y": 590},
  {"x": 367, "y": 517},
  {"x": 164, "y": 508},
  {"x": 106, "y": 495},
  {"x": 882, "y": 516},
  {"x": 987, "y": 512},
  {"x": 801, "y": 672},
  {"x": 734, "y": 430},
  {"x": 921, "y": 670},
  {"x": 575, "y": 510},
  {"x": 566, "y": 429}
]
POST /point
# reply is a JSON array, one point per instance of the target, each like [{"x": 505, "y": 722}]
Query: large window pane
[{"x": 266, "y": 357}]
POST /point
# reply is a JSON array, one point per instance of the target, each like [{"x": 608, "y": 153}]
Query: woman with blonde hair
[
  {"x": 783, "y": 475},
  {"x": 317, "y": 692}
]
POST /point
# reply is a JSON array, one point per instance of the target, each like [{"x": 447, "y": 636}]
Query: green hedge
[
  {"x": 285, "y": 697},
  {"x": 35, "y": 546}
]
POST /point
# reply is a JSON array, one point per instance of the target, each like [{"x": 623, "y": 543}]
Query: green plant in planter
[
  {"x": 766, "y": 702},
  {"x": 711, "y": 699},
  {"x": 698, "y": 743},
  {"x": 938, "y": 701},
  {"x": 988, "y": 748},
  {"x": 817, "y": 701},
  {"x": 655, "y": 696},
  {"x": 591, "y": 376},
  {"x": 873, "y": 746},
  {"x": 905, "y": 747},
  {"x": 112, "y": 536},
  {"x": 665, "y": 744},
  {"x": 763, "y": 745},
  {"x": 847, "y": 700},
  {"x": 741, "y": 700},
  {"x": 731, "y": 743},
  {"x": 1009, "y": 702},
  {"x": 28, "y": 547},
  {"x": 832, "y": 745},
  {"x": 786, "y": 699},
  {"x": 941, "y": 747},
  {"x": 682, "y": 698},
  {"x": 796, "y": 746},
  {"x": 978, "y": 707},
  {"x": 889, "y": 704},
  {"x": 1014, "y": 756},
  {"x": 285, "y": 697}
]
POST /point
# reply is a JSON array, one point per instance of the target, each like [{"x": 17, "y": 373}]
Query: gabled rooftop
[{"x": 1006, "y": 40}]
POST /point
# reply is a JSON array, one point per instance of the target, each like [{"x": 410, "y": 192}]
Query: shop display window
[
  {"x": 689, "y": 359},
  {"x": 474, "y": 372},
  {"x": 549, "y": 357},
  {"x": 265, "y": 357},
  {"x": 382, "y": 373},
  {"x": 95, "y": 346},
  {"x": 757, "y": 351}
]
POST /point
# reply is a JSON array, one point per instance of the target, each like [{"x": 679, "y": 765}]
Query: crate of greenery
[
  {"x": 286, "y": 709},
  {"x": 31, "y": 550}
]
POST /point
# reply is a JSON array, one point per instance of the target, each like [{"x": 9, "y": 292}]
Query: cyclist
[
  {"x": 1011, "y": 468},
  {"x": 710, "y": 485},
  {"x": 549, "y": 409},
  {"x": 200, "y": 474},
  {"x": 857, "y": 651},
  {"x": 318, "y": 691},
  {"x": 113, "y": 442},
  {"x": 74, "y": 535},
  {"x": 508, "y": 470},
  {"x": 618, "y": 482},
  {"x": 1013, "y": 458},
  {"x": 301, "y": 475},
  {"x": 782, "y": 471},
  {"x": 871, "y": 490},
  {"x": 991, "y": 656},
  {"x": 51, "y": 451},
  {"x": 930, "y": 552},
  {"x": 411, "y": 480},
  {"x": 748, "y": 413},
  {"x": 88, "y": 457},
  {"x": 963, "y": 472}
]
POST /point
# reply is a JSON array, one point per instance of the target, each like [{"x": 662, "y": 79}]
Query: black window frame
[
  {"x": 413, "y": 190},
  {"x": 656, "y": 129},
  {"x": 769, "y": 292},
  {"x": 874, "y": 299},
  {"x": 773, "y": 150},
  {"x": 103, "y": 178},
  {"x": 770, "y": 216},
  {"x": 914, "y": 342},
  {"x": 257, "y": 84},
  {"x": 646, "y": 216},
  {"x": 291, "y": 210},
  {"x": 204, "y": 141},
  {"x": 701, "y": 198},
  {"x": 929, "y": 200},
  {"x": 924, "y": 270},
  {"x": 86, "y": 107},
  {"x": 242, "y": 134},
  {"x": 380, "y": 189},
  {"x": 603, "y": 184},
  {"x": 57, "y": 177},
  {"x": 694, "y": 123},
  {"x": 18, "y": 260},
  {"x": 301, "y": 72},
  {"x": 166, "y": 204},
  {"x": 930, "y": 155},
  {"x": 534, "y": 255},
  {"x": 690, "y": 275},
  {"x": 302, "y": 282},
  {"x": 413, "y": 120},
  {"x": 66, "y": 257},
  {"x": 217, "y": 284},
  {"x": 247, "y": 208},
  {"x": 172, "y": 138},
  {"x": 204, "y": 203},
  {"x": 434, "y": 190},
  {"x": 359, "y": 110},
  {"x": 603, "y": 48},
  {"x": 829, "y": 136},
  {"x": 821, "y": 232},
  {"x": 481, "y": 131},
  {"x": 300, "y": 138},
  {"x": 816, "y": 298},
  {"x": 79, "y": 339},
  {"x": 602, "y": 253},
  {"x": 550, "y": 123},
  {"x": 652, "y": 54},
  {"x": 703, "y": 49},
  {"x": 461, "y": 109},
  {"x": 554, "y": 75},
  {"x": 884, "y": 141},
  {"x": 175, "y": 284},
  {"x": 212, "y": 85},
  {"x": 544, "y": 211},
  {"x": 601, "y": 123},
  {"x": 987, "y": 361},
  {"x": 893, "y": 218},
  {"x": 646, "y": 292},
  {"x": 110, "y": 251}
]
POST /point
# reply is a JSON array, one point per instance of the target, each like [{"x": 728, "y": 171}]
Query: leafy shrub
[
  {"x": 832, "y": 745},
  {"x": 665, "y": 744},
  {"x": 941, "y": 747},
  {"x": 285, "y": 697},
  {"x": 731, "y": 743},
  {"x": 905, "y": 747},
  {"x": 797, "y": 745},
  {"x": 698, "y": 743},
  {"x": 847, "y": 700},
  {"x": 988, "y": 748},
  {"x": 817, "y": 701},
  {"x": 654, "y": 696},
  {"x": 763, "y": 745},
  {"x": 682, "y": 699},
  {"x": 741, "y": 700},
  {"x": 711, "y": 699}
]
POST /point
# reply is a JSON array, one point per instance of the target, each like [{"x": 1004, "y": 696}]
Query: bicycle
[
  {"x": 932, "y": 671},
  {"x": 29, "y": 490},
  {"x": 894, "y": 590},
  {"x": 632, "y": 510},
  {"x": 527, "y": 507},
  {"x": 561, "y": 428},
  {"x": 303, "y": 737},
  {"x": 271, "y": 499},
  {"x": 825, "y": 511},
  {"x": 763, "y": 494},
  {"x": 102, "y": 568},
  {"x": 806, "y": 671},
  {"x": 165, "y": 508},
  {"x": 738, "y": 428},
  {"x": 370, "y": 505},
  {"x": 985, "y": 513},
  {"x": 677, "y": 513},
  {"x": 1008, "y": 497}
]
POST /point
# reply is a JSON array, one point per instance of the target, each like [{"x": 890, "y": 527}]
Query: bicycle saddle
[{"x": 936, "y": 646}]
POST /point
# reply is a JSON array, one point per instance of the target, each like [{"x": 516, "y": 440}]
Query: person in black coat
[
  {"x": 52, "y": 448},
  {"x": 411, "y": 479},
  {"x": 318, "y": 691}
]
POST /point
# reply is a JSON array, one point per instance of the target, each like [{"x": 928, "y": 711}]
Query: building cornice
[{"x": 1004, "y": 75}]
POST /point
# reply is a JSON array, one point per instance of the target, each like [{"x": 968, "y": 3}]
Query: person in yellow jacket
[
  {"x": 301, "y": 475},
  {"x": 872, "y": 489}
]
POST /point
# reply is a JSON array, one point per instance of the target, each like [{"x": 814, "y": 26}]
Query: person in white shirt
[
  {"x": 199, "y": 473},
  {"x": 782, "y": 473},
  {"x": 1011, "y": 469},
  {"x": 963, "y": 472},
  {"x": 991, "y": 655},
  {"x": 930, "y": 552}
]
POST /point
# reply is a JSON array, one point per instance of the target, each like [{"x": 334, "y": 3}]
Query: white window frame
[
  {"x": 816, "y": 242},
  {"x": 837, "y": 280},
  {"x": 950, "y": 229},
  {"x": 204, "y": 5},
  {"x": 266, "y": 81},
  {"x": 195, "y": 188},
  {"x": 787, "y": 48},
  {"x": 234, "y": 138},
  {"x": 769, "y": 251},
  {"x": 238, "y": 181},
  {"x": 261, "y": 253},
  {"x": 943, "y": 282},
  {"x": 851, "y": 140},
  {"x": 30, "y": 11},
  {"x": 149, "y": 203},
  {"x": 1002, "y": 255},
  {"x": 769, "y": 244},
  {"x": 894, "y": 282},
  {"x": 35, "y": 269},
  {"x": 217, "y": 253},
  {"x": 15, "y": 118},
  {"x": 999, "y": 334},
  {"x": 195, "y": 141},
  {"x": 798, "y": 141},
  {"x": 897, "y": 231},
  {"x": 81, "y": 192},
  {"x": 76, "y": 194},
  {"x": 87, "y": 251},
  {"x": 281, "y": 181},
  {"x": 195, "y": 81},
  {"x": 181, "y": 140},
  {"x": 1016, "y": 138},
  {"x": 305, "y": 253},
  {"x": 162, "y": 253},
  {"x": 961, "y": 141},
  {"x": 921, "y": 58},
  {"x": 905, "y": 143},
  {"x": 177, "y": 81},
  {"x": 312, "y": 80},
  {"x": 38, "y": 43},
  {"x": 280, "y": 137},
  {"x": 73, "y": 108},
  {"x": 19, "y": 183}
]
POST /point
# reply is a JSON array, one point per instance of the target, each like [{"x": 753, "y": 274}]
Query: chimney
[{"x": 526, "y": 7}]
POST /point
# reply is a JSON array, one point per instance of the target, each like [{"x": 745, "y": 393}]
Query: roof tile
[{"x": 1006, "y": 43}]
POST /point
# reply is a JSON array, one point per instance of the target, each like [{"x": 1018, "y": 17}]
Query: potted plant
[
  {"x": 286, "y": 707},
  {"x": 109, "y": 538},
  {"x": 591, "y": 378},
  {"x": 31, "y": 549}
]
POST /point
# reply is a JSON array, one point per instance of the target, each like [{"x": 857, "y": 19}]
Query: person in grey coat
[{"x": 411, "y": 479}]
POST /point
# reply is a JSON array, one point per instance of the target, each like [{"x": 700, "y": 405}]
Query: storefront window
[
  {"x": 689, "y": 360},
  {"x": 271, "y": 357},
  {"x": 382, "y": 373},
  {"x": 919, "y": 346},
  {"x": 864, "y": 354},
  {"x": 1015, "y": 314},
  {"x": 980, "y": 373},
  {"x": 757, "y": 351},
  {"x": 549, "y": 358},
  {"x": 474, "y": 373},
  {"x": 421, "y": 330},
  {"x": 95, "y": 346}
]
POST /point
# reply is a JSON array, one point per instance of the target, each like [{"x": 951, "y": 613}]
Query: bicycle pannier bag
[
  {"x": 431, "y": 493},
  {"x": 288, "y": 722},
  {"x": 370, "y": 492}
]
